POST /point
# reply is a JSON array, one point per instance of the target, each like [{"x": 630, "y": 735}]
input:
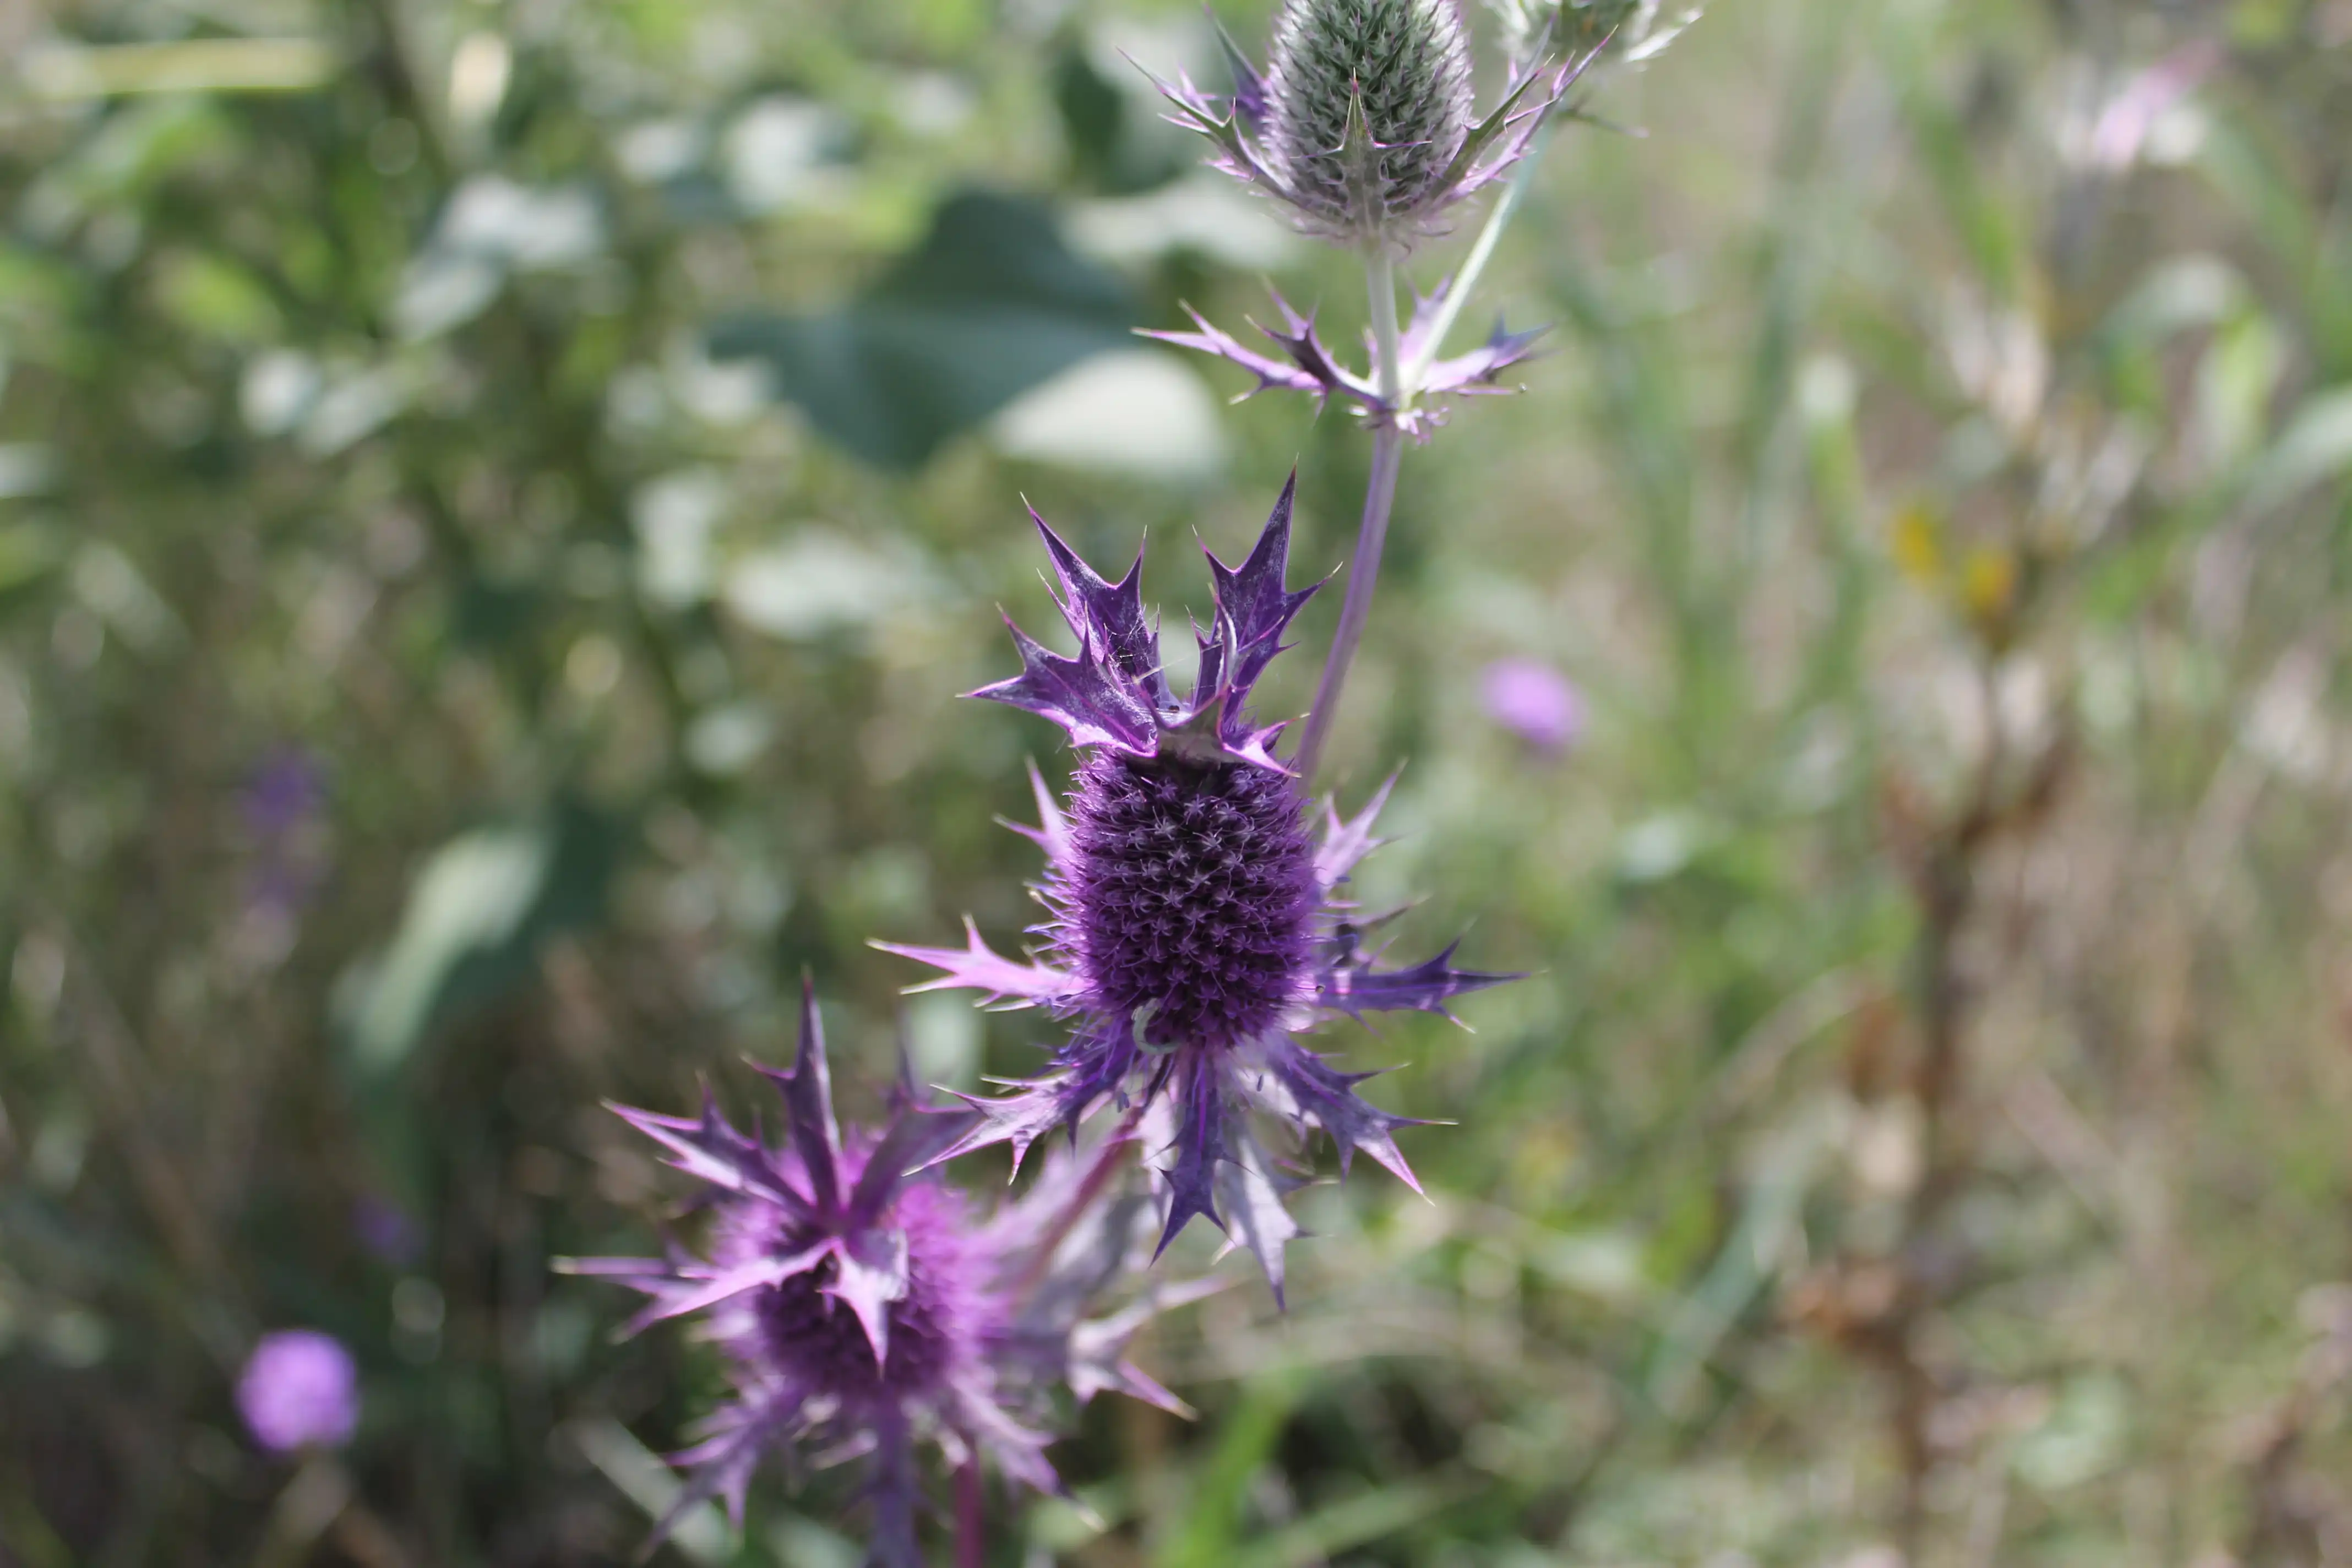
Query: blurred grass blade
[
  {"x": 1212, "y": 1529},
  {"x": 1358, "y": 1520},
  {"x": 701, "y": 1533},
  {"x": 62, "y": 72}
]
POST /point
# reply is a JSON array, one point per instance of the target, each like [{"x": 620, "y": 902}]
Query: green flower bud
[{"x": 1368, "y": 106}]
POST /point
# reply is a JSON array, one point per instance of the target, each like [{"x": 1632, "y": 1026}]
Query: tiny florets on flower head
[
  {"x": 1368, "y": 102},
  {"x": 1362, "y": 124},
  {"x": 1197, "y": 921},
  {"x": 865, "y": 1306}
]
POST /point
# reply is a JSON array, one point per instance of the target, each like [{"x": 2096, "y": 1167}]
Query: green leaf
[
  {"x": 2316, "y": 446},
  {"x": 991, "y": 304},
  {"x": 1212, "y": 1529},
  {"x": 475, "y": 915}
]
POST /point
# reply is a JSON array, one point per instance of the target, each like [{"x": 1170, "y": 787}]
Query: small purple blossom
[
  {"x": 1197, "y": 922},
  {"x": 299, "y": 1389},
  {"x": 1306, "y": 365},
  {"x": 1534, "y": 701},
  {"x": 864, "y": 1308}
]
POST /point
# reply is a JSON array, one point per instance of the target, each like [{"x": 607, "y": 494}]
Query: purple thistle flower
[
  {"x": 299, "y": 1389},
  {"x": 1534, "y": 701},
  {"x": 864, "y": 1308},
  {"x": 1362, "y": 125},
  {"x": 1197, "y": 922},
  {"x": 1306, "y": 365}
]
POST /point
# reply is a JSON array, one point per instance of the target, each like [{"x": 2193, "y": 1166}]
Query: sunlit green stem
[
  {"x": 1380, "y": 499},
  {"x": 1466, "y": 282}
]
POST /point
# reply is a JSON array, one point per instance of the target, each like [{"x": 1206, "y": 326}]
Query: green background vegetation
[{"x": 585, "y": 437}]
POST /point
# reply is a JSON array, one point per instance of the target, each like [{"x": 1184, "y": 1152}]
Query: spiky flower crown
[
  {"x": 864, "y": 1310},
  {"x": 1363, "y": 126},
  {"x": 1196, "y": 922},
  {"x": 1305, "y": 365},
  {"x": 1368, "y": 102}
]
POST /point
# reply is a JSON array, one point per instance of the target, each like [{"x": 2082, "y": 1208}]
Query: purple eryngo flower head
[
  {"x": 1362, "y": 124},
  {"x": 1534, "y": 701},
  {"x": 299, "y": 1389},
  {"x": 1305, "y": 365},
  {"x": 1196, "y": 918},
  {"x": 866, "y": 1307}
]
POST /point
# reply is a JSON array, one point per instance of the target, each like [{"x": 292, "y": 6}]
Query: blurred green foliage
[{"x": 497, "y": 500}]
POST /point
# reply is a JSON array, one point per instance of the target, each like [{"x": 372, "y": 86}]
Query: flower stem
[
  {"x": 1380, "y": 499},
  {"x": 970, "y": 1532},
  {"x": 1106, "y": 1163},
  {"x": 1458, "y": 292}
]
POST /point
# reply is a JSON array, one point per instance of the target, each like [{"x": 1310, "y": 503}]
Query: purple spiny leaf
[
  {"x": 1347, "y": 840},
  {"x": 1093, "y": 700},
  {"x": 808, "y": 1107},
  {"x": 710, "y": 1151},
  {"x": 1108, "y": 616},
  {"x": 1249, "y": 1200},
  {"x": 1329, "y": 1099},
  {"x": 977, "y": 968},
  {"x": 1354, "y": 988},
  {"x": 870, "y": 1272},
  {"x": 1199, "y": 1148}
]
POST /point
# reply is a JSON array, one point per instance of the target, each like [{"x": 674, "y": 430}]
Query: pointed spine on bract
[
  {"x": 864, "y": 1305},
  {"x": 1306, "y": 365},
  {"x": 1114, "y": 693}
]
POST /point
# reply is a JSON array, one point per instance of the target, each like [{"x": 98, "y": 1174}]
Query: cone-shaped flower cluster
[
  {"x": 865, "y": 1310},
  {"x": 1197, "y": 922},
  {"x": 1362, "y": 125}
]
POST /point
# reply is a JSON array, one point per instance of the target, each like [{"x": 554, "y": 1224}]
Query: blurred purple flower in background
[
  {"x": 385, "y": 1229},
  {"x": 1534, "y": 701},
  {"x": 299, "y": 1389},
  {"x": 284, "y": 793},
  {"x": 284, "y": 802}
]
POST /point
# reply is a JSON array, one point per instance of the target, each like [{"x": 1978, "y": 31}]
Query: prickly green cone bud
[{"x": 1368, "y": 104}]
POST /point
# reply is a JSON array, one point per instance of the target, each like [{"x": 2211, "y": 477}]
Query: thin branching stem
[
  {"x": 1380, "y": 499},
  {"x": 1108, "y": 1158},
  {"x": 1466, "y": 282}
]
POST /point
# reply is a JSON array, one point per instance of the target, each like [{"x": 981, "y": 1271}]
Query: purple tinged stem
[
  {"x": 1363, "y": 571},
  {"x": 1106, "y": 1163},
  {"x": 1380, "y": 499},
  {"x": 971, "y": 1539}
]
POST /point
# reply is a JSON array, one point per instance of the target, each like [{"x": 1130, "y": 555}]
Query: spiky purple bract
[
  {"x": 865, "y": 1306},
  {"x": 1306, "y": 365},
  {"x": 1197, "y": 921}
]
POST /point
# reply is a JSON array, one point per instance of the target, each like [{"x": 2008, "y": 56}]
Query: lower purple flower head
[
  {"x": 865, "y": 1307},
  {"x": 1534, "y": 701},
  {"x": 299, "y": 1389},
  {"x": 1197, "y": 921}
]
